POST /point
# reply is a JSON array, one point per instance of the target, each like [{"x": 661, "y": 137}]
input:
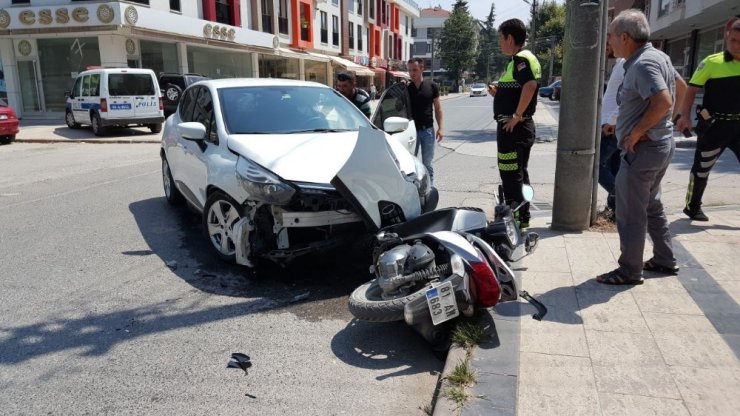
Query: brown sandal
[{"x": 614, "y": 278}]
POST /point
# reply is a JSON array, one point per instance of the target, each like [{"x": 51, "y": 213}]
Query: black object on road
[{"x": 239, "y": 360}]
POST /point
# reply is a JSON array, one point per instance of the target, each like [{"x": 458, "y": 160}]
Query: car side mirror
[
  {"x": 395, "y": 124},
  {"x": 68, "y": 94},
  {"x": 192, "y": 131}
]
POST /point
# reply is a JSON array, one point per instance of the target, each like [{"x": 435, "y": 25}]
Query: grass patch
[
  {"x": 462, "y": 375},
  {"x": 457, "y": 395},
  {"x": 468, "y": 335}
]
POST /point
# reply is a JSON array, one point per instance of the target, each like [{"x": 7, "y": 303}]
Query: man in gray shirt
[{"x": 645, "y": 137}]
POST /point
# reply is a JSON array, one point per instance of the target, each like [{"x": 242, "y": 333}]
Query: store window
[
  {"x": 316, "y": 71},
  {"x": 175, "y": 5},
  {"x": 3, "y": 88},
  {"x": 272, "y": 66},
  {"x": 709, "y": 42},
  {"x": 60, "y": 60},
  {"x": 219, "y": 63},
  {"x": 159, "y": 57},
  {"x": 679, "y": 51}
]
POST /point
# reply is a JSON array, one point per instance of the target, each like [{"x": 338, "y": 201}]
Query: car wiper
[{"x": 322, "y": 130}]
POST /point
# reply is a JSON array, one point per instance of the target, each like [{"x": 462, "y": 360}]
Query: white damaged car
[{"x": 282, "y": 168}]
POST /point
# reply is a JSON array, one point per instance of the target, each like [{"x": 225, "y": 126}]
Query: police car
[{"x": 106, "y": 97}]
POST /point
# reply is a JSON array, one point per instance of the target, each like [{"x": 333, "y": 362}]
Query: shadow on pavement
[
  {"x": 380, "y": 346},
  {"x": 684, "y": 226}
]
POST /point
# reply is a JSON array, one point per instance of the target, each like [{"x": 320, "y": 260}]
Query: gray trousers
[{"x": 639, "y": 210}]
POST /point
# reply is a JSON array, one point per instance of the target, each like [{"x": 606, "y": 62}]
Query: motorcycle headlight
[
  {"x": 261, "y": 184},
  {"x": 511, "y": 231},
  {"x": 421, "y": 179}
]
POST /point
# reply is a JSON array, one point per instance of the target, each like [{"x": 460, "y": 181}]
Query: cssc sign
[{"x": 62, "y": 15}]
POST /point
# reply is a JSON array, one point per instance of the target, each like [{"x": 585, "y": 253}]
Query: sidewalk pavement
[{"x": 668, "y": 347}]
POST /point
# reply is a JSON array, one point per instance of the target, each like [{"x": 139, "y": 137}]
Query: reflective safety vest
[{"x": 534, "y": 65}]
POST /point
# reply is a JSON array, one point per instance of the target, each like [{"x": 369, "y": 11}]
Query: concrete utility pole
[{"x": 579, "y": 111}]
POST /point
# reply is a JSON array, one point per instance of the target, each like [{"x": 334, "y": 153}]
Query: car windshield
[
  {"x": 288, "y": 109},
  {"x": 555, "y": 84},
  {"x": 478, "y": 86}
]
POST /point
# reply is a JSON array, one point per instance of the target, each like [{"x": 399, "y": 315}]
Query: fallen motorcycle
[{"x": 443, "y": 264}]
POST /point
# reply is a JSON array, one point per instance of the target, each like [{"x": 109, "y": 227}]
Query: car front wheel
[
  {"x": 69, "y": 118},
  {"x": 219, "y": 217}
]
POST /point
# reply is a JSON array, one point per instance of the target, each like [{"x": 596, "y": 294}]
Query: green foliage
[
  {"x": 549, "y": 34},
  {"x": 490, "y": 62},
  {"x": 457, "y": 395},
  {"x": 468, "y": 335},
  {"x": 462, "y": 375},
  {"x": 458, "y": 46}
]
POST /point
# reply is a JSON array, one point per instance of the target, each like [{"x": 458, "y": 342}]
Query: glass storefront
[
  {"x": 3, "y": 88},
  {"x": 272, "y": 66},
  {"x": 709, "y": 42},
  {"x": 679, "y": 51},
  {"x": 316, "y": 71},
  {"x": 60, "y": 61},
  {"x": 218, "y": 63},
  {"x": 159, "y": 57}
]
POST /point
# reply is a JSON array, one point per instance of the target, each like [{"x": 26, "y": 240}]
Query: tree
[
  {"x": 458, "y": 46},
  {"x": 490, "y": 62},
  {"x": 550, "y": 31}
]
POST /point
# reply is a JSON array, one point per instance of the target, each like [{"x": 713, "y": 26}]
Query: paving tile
[
  {"x": 661, "y": 323},
  {"x": 620, "y": 404},
  {"x": 556, "y": 385},
  {"x": 696, "y": 349},
  {"x": 658, "y": 283},
  {"x": 588, "y": 255},
  {"x": 732, "y": 287},
  {"x": 709, "y": 391},
  {"x": 678, "y": 302},
  {"x": 718, "y": 259},
  {"x": 643, "y": 380},
  {"x": 604, "y": 310},
  {"x": 548, "y": 337},
  {"x": 547, "y": 259},
  {"x": 621, "y": 348},
  {"x": 495, "y": 390},
  {"x": 539, "y": 282}
]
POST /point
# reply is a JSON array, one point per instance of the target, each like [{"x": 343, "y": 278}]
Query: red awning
[{"x": 378, "y": 71}]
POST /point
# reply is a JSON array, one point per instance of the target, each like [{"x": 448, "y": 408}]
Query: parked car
[
  {"x": 548, "y": 90},
  {"x": 282, "y": 168},
  {"x": 173, "y": 85},
  {"x": 556, "y": 92},
  {"x": 478, "y": 90},
  {"x": 9, "y": 124},
  {"x": 106, "y": 97}
]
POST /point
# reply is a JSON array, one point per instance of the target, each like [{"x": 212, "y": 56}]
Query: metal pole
[
  {"x": 574, "y": 179},
  {"x": 552, "y": 58},
  {"x": 431, "y": 70}
]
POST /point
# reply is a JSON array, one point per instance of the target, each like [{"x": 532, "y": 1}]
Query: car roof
[
  {"x": 258, "y": 82},
  {"x": 117, "y": 71}
]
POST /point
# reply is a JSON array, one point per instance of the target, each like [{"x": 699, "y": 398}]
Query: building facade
[
  {"x": 45, "y": 43},
  {"x": 426, "y": 33}
]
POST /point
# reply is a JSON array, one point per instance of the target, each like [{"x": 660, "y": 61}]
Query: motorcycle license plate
[{"x": 442, "y": 303}]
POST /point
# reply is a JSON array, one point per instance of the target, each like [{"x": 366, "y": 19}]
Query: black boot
[{"x": 695, "y": 214}]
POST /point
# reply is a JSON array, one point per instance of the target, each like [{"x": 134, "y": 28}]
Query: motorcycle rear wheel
[{"x": 366, "y": 304}]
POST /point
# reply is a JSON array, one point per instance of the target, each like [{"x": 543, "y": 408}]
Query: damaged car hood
[{"x": 308, "y": 157}]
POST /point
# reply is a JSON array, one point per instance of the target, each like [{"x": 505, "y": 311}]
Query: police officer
[
  {"x": 718, "y": 127},
  {"x": 346, "y": 86},
  {"x": 515, "y": 99}
]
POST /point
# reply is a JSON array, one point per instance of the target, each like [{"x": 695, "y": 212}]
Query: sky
[{"x": 505, "y": 9}]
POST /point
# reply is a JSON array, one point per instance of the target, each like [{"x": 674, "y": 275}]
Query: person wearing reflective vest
[
  {"x": 718, "y": 126},
  {"x": 514, "y": 103}
]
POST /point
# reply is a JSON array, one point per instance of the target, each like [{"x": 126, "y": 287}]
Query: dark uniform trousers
[
  {"x": 713, "y": 139},
  {"x": 513, "y": 158}
]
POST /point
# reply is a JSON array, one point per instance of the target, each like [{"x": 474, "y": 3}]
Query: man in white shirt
[{"x": 609, "y": 155}]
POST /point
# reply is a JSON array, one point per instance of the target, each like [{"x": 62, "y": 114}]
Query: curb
[
  {"x": 444, "y": 406},
  {"x": 88, "y": 141}
]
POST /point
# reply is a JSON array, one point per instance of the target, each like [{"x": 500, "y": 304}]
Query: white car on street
[
  {"x": 478, "y": 90},
  {"x": 281, "y": 168}
]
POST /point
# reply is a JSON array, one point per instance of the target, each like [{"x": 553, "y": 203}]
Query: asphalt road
[{"x": 93, "y": 321}]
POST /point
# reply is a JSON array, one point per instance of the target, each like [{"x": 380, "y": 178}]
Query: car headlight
[
  {"x": 511, "y": 231},
  {"x": 261, "y": 184},
  {"x": 421, "y": 179}
]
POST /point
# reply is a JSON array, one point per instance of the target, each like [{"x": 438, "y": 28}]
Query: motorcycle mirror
[{"x": 527, "y": 192}]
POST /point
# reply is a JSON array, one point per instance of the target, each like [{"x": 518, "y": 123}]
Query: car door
[
  {"x": 76, "y": 102},
  {"x": 395, "y": 102},
  {"x": 196, "y": 153},
  {"x": 176, "y": 149}
]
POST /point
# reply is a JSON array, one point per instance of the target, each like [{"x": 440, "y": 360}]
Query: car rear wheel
[
  {"x": 171, "y": 193},
  {"x": 220, "y": 215},
  {"x": 155, "y": 128},
  {"x": 7, "y": 139},
  {"x": 69, "y": 118},
  {"x": 97, "y": 125},
  {"x": 172, "y": 94}
]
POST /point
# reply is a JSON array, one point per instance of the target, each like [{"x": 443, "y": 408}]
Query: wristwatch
[{"x": 517, "y": 116}]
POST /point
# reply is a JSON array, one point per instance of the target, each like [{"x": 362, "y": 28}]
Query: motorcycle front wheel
[{"x": 366, "y": 304}]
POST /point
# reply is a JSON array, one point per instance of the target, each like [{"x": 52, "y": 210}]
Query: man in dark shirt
[
  {"x": 515, "y": 99},
  {"x": 346, "y": 86},
  {"x": 424, "y": 94}
]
